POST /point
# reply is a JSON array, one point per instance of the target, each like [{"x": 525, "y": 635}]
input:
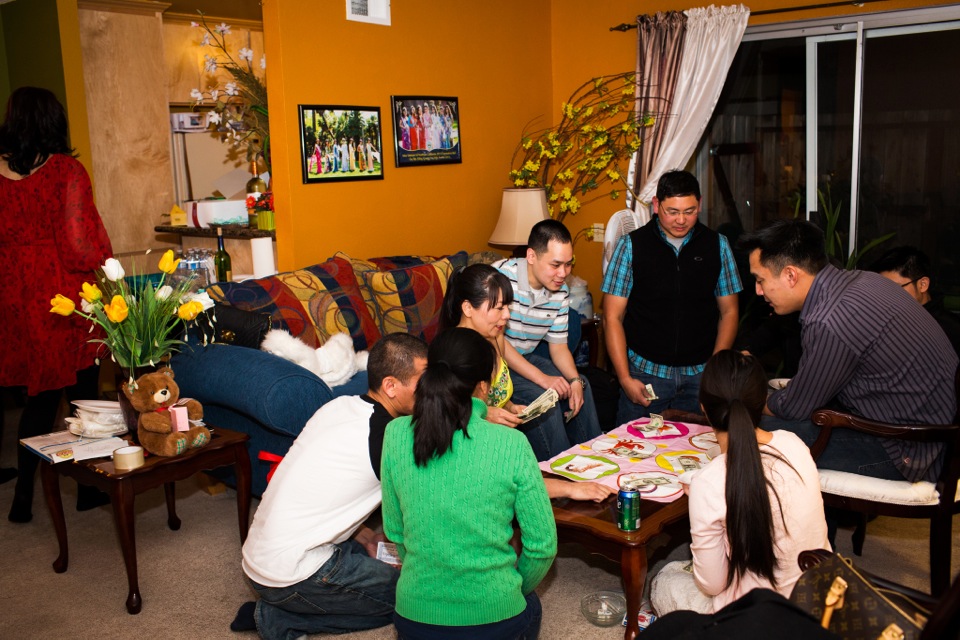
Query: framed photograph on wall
[
  {"x": 340, "y": 142},
  {"x": 426, "y": 130}
]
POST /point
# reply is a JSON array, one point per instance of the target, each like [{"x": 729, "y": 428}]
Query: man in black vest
[{"x": 670, "y": 303}]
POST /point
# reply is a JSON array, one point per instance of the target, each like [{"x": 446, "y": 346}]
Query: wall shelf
[{"x": 229, "y": 231}]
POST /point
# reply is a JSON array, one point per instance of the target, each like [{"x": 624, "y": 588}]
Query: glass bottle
[
  {"x": 255, "y": 188},
  {"x": 221, "y": 260}
]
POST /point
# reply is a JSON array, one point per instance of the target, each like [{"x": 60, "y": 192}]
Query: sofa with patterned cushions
[{"x": 271, "y": 399}]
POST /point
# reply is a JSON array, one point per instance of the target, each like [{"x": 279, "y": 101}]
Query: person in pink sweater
[{"x": 753, "y": 508}]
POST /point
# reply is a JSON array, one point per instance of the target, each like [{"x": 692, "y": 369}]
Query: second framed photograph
[
  {"x": 340, "y": 142},
  {"x": 426, "y": 130}
]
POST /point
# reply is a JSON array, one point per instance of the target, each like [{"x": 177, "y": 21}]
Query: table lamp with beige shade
[{"x": 520, "y": 209}]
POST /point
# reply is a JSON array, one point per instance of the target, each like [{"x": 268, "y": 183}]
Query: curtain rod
[{"x": 828, "y": 5}]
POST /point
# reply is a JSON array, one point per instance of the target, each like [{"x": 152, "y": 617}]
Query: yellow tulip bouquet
[{"x": 138, "y": 321}]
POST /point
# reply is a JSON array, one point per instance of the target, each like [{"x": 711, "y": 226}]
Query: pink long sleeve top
[{"x": 806, "y": 528}]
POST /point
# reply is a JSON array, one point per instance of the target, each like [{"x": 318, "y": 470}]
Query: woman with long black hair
[
  {"x": 478, "y": 297},
  {"x": 453, "y": 484},
  {"x": 753, "y": 508}
]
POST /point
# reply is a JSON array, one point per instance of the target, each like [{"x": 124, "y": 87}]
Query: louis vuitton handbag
[{"x": 849, "y": 604}]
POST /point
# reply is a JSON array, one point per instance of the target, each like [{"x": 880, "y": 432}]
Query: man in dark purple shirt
[{"x": 867, "y": 347}]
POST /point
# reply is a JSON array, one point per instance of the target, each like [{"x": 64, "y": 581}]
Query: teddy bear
[
  {"x": 153, "y": 394},
  {"x": 335, "y": 362}
]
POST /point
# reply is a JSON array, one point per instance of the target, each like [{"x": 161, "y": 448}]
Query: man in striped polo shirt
[
  {"x": 867, "y": 346},
  {"x": 539, "y": 313}
]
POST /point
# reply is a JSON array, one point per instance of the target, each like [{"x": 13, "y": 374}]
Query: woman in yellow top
[{"x": 478, "y": 297}]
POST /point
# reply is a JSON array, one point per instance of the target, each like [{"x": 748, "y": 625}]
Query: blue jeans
[
  {"x": 847, "y": 450},
  {"x": 680, "y": 392},
  {"x": 350, "y": 592},
  {"x": 523, "y": 626},
  {"x": 549, "y": 434}
]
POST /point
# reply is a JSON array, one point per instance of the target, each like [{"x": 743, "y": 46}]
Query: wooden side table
[
  {"x": 225, "y": 448},
  {"x": 594, "y": 525}
]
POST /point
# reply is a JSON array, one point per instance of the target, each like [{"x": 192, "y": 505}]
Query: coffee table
[
  {"x": 594, "y": 525},
  {"x": 225, "y": 448}
]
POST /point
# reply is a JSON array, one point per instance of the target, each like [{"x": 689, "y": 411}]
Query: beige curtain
[
  {"x": 709, "y": 43},
  {"x": 659, "y": 52}
]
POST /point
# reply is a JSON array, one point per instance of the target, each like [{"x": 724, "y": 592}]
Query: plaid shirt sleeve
[
  {"x": 618, "y": 280},
  {"x": 729, "y": 281}
]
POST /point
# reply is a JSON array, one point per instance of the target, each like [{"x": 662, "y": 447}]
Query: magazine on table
[{"x": 61, "y": 446}]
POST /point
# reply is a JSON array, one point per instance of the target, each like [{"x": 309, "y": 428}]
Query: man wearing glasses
[
  {"x": 910, "y": 268},
  {"x": 670, "y": 302}
]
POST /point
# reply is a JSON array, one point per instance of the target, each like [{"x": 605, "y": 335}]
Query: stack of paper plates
[{"x": 97, "y": 419}]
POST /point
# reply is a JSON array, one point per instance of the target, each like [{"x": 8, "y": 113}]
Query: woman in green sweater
[{"x": 453, "y": 484}]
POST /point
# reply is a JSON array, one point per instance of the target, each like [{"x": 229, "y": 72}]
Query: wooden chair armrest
[
  {"x": 812, "y": 558},
  {"x": 833, "y": 419}
]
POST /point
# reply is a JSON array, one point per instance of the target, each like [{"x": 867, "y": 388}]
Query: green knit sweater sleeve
[
  {"x": 538, "y": 530},
  {"x": 390, "y": 507}
]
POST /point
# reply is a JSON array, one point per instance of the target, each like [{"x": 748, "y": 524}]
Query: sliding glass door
[
  {"x": 910, "y": 159},
  {"x": 853, "y": 125}
]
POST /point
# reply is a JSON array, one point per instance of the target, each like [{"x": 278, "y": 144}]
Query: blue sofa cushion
[{"x": 276, "y": 393}]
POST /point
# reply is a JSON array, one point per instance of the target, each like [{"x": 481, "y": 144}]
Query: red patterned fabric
[
  {"x": 311, "y": 303},
  {"x": 51, "y": 241},
  {"x": 410, "y": 300}
]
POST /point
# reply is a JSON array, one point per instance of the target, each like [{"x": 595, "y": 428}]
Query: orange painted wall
[
  {"x": 508, "y": 62},
  {"x": 493, "y": 55},
  {"x": 583, "y": 47}
]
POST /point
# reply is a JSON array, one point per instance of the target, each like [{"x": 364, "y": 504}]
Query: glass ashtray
[{"x": 604, "y": 608}]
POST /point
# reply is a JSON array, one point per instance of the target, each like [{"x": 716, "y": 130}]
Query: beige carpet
[{"x": 192, "y": 583}]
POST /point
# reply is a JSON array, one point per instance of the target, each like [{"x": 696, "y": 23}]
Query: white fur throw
[{"x": 335, "y": 362}]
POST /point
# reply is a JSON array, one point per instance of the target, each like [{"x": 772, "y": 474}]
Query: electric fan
[{"x": 620, "y": 224}]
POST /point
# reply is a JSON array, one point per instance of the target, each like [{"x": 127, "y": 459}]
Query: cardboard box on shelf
[{"x": 203, "y": 213}]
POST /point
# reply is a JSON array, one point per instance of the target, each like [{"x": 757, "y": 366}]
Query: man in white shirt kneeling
[{"x": 308, "y": 554}]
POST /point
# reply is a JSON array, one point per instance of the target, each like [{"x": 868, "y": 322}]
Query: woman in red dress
[
  {"x": 421, "y": 128},
  {"x": 51, "y": 241},
  {"x": 414, "y": 129}
]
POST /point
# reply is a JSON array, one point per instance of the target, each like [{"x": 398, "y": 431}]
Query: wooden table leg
[
  {"x": 170, "y": 493},
  {"x": 634, "y": 569},
  {"x": 51, "y": 492},
  {"x": 122, "y": 498},
  {"x": 243, "y": 489}
]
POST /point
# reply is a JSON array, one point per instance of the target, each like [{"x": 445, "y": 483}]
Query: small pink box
[{"x": 179, "y": 419}]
